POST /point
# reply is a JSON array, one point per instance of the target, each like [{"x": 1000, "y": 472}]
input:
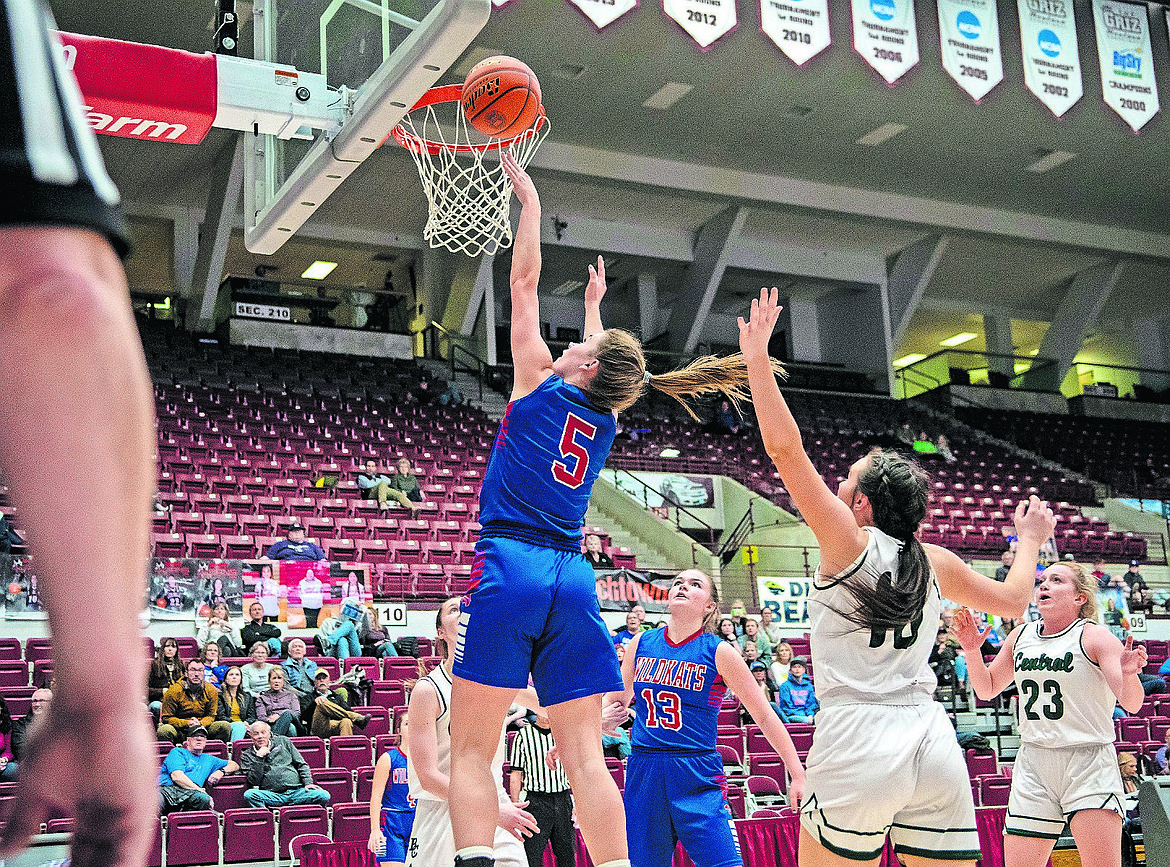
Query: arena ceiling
[{"x": 755, "y": 131}]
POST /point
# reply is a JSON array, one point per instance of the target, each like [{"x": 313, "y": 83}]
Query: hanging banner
[
  {"x": 885, "y": 34},
  {"x": 800, "y": 28},
  {"x": 703, "y": 20},
  {"x": 969, "y": 32},
  {"x": 603, "y": 12},
  {"x": 1052, "y": 64},
  {"x": 1127, "y": 63}
]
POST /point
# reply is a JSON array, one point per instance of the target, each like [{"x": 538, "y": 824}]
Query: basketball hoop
[{"x": 468, "y": 198}]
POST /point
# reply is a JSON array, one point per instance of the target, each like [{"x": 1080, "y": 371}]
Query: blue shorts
[
  {"x": 679, "y": 797},
  {"x": 396, "y": 825},
  {"x": 535, "y": 610}
]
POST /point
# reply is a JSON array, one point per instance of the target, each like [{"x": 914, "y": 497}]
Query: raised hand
[
  {"x": 517, "y": 821},
  {"x": 612, "y": 716},
  {"x": 521, "y": 183},
  {"x": 757, "y": 331},
  {"x": 595, "y": 290},
  {"x": 1034, "y": 520},
  {"x": 969, "y": 635},
  {"x": 1133, "y": 659}
]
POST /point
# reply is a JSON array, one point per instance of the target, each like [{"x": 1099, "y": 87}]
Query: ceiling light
[
  {"x": 1034, "y": 352},
  {"x": 958, "y": 339},
  {"x": 568, "y": 286},
  {"x": 907, "y": 360},
  {"x": 1049, "y": 160},
  {"x": 669, "y": 452},
  {"x": 882, "y": 134},
  {"x": 668, "y": 95},
  {"x": 1021, "y": 366},
  {"x": 319, "y": 270}
]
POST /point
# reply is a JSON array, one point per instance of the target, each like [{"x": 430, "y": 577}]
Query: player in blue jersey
[
  {"x": 391, "y": 806},
  {"x": 532, "y": 604},
  {"x": 676, "y": 677}
]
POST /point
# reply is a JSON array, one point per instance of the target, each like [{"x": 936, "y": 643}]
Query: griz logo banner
[
  {"x": 1127, "y": 63},
  {"x": 969, "y": 33},
  {"x": 1052, "y": 63},
  {"x": 885, "y": 34}
]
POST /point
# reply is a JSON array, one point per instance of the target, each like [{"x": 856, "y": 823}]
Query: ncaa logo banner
[
  {"x": 703, "y": 20},
  {"x": 1127, "y": 64},
  {"x": 1052, "y": 63},
  {"x": 969, "y": 32},
  {"x": 800, "y": 28},
  {"x": 885, "y": 34},
  {"x": 603, "y": 12}
]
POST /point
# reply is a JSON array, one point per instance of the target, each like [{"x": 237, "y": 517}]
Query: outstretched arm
[
  {"x": 830, "y": 519},
  {"x": 530, "y": 354},
  {"x": 987, "y": 682},
  {"x": 594, "y": 292}
]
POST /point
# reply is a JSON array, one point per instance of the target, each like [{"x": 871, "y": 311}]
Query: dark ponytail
[{"x": 898, "y": 492}]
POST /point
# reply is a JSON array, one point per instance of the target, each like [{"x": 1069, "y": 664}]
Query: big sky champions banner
[
  {"x": 703, "y": 20},
  {"x": 885, "y": 34},
  {"x": 620, "y": 589},
  {"x": 800, "y": 28},
  {"x": 1052, "y": 63},
  {"x": 1127, "y": 63},
  {"x": 788, "y": 599},
  {"x": 969, "y": 31},
  {"x": 604, "y": 12}
]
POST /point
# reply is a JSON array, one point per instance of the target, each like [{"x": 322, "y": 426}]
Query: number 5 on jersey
[{"x": 571, "y": 448}]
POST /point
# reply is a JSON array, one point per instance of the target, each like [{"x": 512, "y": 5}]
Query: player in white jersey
[
  {"x": 1069, "y": 671},
  {"x": 432, "y": 843},
  {"x": 874, "y": 611}
]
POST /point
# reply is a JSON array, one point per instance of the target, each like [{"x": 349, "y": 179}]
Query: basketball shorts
[
  {"x": 535, "y": 610},
  {"x": 1049, "y": 784},
  {"x": 50, "y": 166},
  {"x": 396, "y": 827},
  {"x": 679, "y": 797},
  {"x": 432, "y": 842},
  {"x": 875, "y": 770}
]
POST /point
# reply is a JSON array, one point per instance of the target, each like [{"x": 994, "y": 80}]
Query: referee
[{"x": 549, "y": 800}]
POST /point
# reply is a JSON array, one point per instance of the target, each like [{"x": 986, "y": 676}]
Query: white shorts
[
  {"x": 1049, "y": 784},
  {"x": 875, "y": 770},
  {"x": 432, "y": 843}
]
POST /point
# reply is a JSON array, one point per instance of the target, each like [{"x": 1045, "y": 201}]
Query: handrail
[
  {"x": 745, "y": 527},
  {"x": 710, "y": 531},
  {"x": 479, "y": 369}
]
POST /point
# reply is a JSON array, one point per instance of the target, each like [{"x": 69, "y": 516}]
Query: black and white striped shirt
[{"x": 529, "y": 748}]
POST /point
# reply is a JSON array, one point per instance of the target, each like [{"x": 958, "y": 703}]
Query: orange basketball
[{"x": 501, "y": 97}]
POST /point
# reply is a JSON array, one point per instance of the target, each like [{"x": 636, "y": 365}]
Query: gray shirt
[{"x": 281, "y": 770}]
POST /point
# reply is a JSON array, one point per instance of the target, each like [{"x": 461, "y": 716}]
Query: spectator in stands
[
  {"x": 724, "y": 419},
  {"x": 726, "y": 630},
  {"x": 329, "y": 712},
  {"x": 944, "y": 450},
  {"x": 339, "y": 634},
  {"x": 279, "y": 706},
  {"x": 942, "y": 659},
  {"x": 213, "y": 665},
  {"x": 782, "y": 657},
  {"x": 379, "y": 640},
  {"x": 165, "y": 671},
  {"x": 257, "y": 630},
  {"x": 405, "y": 488},
  {"x": 186, "y": 771},
  {"x": 760, "y": 673},
  {"x": 633, "y": 627},
  {"x": 1133, "y": 576},
  {"x": 452, "y": 396},
  {"x": 8, "y": 764},
  {"x": 1131, "y": 775},
  {"x": 40, "y": 704},
  {"x": 294, "y": 546},
  {"x": 751, "y": 632},
  {"x": 640, "y": 610},
  {"x": 268, "y": 595},
  {"x": 906, "y": 435},
  {"x": 312, "y": 593},
  {"x": 597, "y": 558},
  {"x": 546, "y": 794},
  {"x": 190, "y": 703},
  {"x": 1103, "y": 577},
  {"x": 770, "y": 627},
  {"x": 299, "y": 672},
  {"x": 738, "y": 615},
  {"x": 374, "y": 485},
  {"x": 277, "y": 774},
  {"x": 1005, "y": 564},
  {"x": 218, "y": 629},
  {"x": 796, "y": 701},
  {"x": 235, "y": 707},
  {"x": 1140, "y": 598},
  {"x": 256, "y": 672},
  {"x": 1161, "y": 758}
]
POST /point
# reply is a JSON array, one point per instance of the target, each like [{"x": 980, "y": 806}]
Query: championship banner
[
  {"x": 886, "y": 35},
  {"x": 604, "y": 12},
  {"x": 620, "y": 589},
  {"x": 800, "y": 28},
  {"x": 788, "y": 599},
  {"x": 1127, "y": 63},
  {"x": 969, "y": 33},
  {"x": 703, "y": 20},
  {"x": 1052, "y": 64}
]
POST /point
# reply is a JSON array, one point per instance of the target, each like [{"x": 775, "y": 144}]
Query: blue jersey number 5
[{"x": 570, "y": 448}]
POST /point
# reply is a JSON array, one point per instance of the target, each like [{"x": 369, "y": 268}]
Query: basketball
[
  {"x": 501, "y": 97},
  {"x": 14, "y": 588}
]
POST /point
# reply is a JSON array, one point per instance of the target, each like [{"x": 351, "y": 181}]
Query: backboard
[{"x": 377, "y": 58}]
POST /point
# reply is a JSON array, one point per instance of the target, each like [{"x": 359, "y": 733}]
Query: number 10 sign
[{"x": 703, "y": 20}]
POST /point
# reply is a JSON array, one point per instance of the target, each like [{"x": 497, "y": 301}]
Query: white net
[{"x": 468, "y": 194}]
